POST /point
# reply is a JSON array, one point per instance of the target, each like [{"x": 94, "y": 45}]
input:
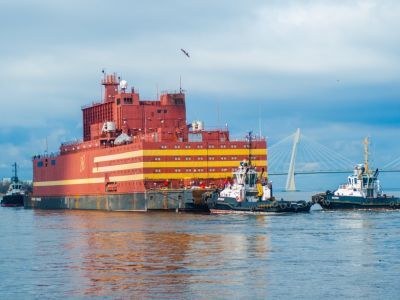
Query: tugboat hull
[
  {"x": 231, "y": 206},
  {"x": 330, "y": 201},
  {"x": 361, "y": 191},
  {"x": 12, "y": 200}
]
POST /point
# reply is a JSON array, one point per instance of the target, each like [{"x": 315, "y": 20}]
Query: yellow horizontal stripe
[
  {"x": 187, "y": 175},
  {"x": 130, "y": 166},
  {"x": 179, "y": 152},
  {"x": 201, "y": 163},
  {"x": 124, "y": 155},
  {"x": 214, "y": 175},
  {"x": 203, "y": 152},
  {"x": 88, "y": 180},
  {"x": 68, "y": 182},
  {"x": 174, "y": 164},
  {"x": 126, "y": 178}
]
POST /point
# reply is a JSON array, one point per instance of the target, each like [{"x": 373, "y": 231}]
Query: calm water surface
[{"x": 90, "y": 254}]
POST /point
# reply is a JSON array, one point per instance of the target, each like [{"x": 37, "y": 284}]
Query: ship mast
[
  {"x": 15, "y": 177},
  {"x": 250, "y": 132},
  {"x": 366, "y": 154}
]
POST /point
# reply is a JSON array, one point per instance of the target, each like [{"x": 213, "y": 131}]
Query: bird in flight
[{"x": 185, "y": 52}]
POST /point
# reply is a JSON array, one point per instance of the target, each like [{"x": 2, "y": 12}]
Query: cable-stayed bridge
[{"x": 298, "y": 154}]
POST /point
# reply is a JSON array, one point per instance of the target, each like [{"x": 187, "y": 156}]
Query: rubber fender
[{"x": 260, "y": 190}]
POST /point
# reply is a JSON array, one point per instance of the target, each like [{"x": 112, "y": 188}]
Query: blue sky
[{"x": 331, "y": 68}]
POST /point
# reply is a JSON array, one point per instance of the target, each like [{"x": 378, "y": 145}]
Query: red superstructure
[{"x": 133, "y": 146}]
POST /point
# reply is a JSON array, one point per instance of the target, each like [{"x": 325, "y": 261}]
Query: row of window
[
  {"x": 53, "y": 161},
  {"x": 202, "y": 158},
  {"x": 197, "y": 170},
  {"x": 77, "y": 147},
  {"x": 126, "y": 101},
  {"x": 44, "y": 163},
  {"x": 201, "y": 146},
  {"x": 162, "y": 147}
]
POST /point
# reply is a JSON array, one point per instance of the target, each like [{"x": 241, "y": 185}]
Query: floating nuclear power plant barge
[{"x": 139, "y": 155}]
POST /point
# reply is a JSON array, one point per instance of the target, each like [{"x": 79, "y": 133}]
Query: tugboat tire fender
[
  {"x": 282, "y": 205},
  {"x": 392, "y": 204}
]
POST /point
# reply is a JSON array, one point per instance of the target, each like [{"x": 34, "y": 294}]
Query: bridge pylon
[{"x": 290, "y": 183}]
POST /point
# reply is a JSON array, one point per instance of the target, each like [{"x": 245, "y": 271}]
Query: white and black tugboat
[
  {"x": 250, "y": 194},
  {"x": 362, "y": 191},
  {"x": 15, "y": 195}
]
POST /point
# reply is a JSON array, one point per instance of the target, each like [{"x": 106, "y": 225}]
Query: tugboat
[
  {"x": 362, "y": 190},
  {"x": 15, "y": 195},
  {"x": 250, "y": 194}
]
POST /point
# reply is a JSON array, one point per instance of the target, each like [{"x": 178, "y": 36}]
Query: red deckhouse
[
  {"x": 130, "y": 146},
  {"x": 163, "y": 120}
]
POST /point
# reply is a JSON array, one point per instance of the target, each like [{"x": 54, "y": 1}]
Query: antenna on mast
[
  {"x": 366, "y": 154},
  {"x": 47, "y": 147},
  {"x": 259, "y": 120},
  {"x": 218, "y": 117},
  {"x": 101, "y": 86},
  {"x": 180, "y": 84}
]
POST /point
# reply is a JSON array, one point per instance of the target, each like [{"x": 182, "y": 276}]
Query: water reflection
[{"x": 157, "y": 254}]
